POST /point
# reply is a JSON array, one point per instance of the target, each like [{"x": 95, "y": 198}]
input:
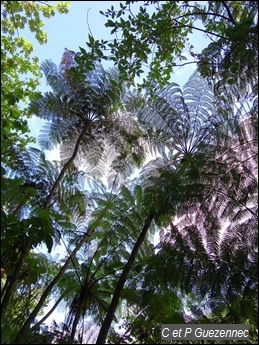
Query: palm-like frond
[
  {"x": 217, "y": 236},
  {"x": 231, "y": 66},
  {"x": 187, "y": 118},
  {"x": 92, "y": 102}
]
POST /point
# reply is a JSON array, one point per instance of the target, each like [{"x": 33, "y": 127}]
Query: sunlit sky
[{"x": 71, "y": 31}]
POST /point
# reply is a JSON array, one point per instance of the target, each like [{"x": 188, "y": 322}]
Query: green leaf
[
  {"x": 83, "y": 51},
  {"x": 49, "y": 242},
  {"x": 44, "y": 214},
  {"x": 110, "y": 23}
]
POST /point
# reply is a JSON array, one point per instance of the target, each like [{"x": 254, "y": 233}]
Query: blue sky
[
  {"x": 68, "y": 31},
  {"x": 71, "y": 31}
]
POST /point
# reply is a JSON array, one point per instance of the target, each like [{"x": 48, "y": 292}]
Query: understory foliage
[{"x": 176, "y": 242}]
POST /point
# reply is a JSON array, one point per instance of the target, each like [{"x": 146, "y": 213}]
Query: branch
[
  {"x": 229, "y": 13},
  {"x": 195, "y": 28},
  {"x": 209, "y": 14}
]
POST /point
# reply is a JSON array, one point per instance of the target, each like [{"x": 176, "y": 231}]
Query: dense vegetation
[{"x": 136, "y": 163}]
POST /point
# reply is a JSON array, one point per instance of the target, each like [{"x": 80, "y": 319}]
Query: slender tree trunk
[
  {"x": 7, "y": 293},
  {"x": 124, "y": 275},
  {"x": 82, "y": 300},
  {"x": 19, "y": 207},
  {"x": 66, "y": 165},
  {"x": 48, "y": 313},
  {"x": 10, "y": 289},
  {"x": 46, "y": 293}
]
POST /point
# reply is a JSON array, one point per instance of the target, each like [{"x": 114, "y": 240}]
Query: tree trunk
[
  {"x": 14, "y": 277},
  {"x": 82, "y": 300},
  {"x": 66, "y": 165},
  {"x": 46, "y": 293},
  {"x": 117, "y": 293},
  {"x": 48, "y": 313}
]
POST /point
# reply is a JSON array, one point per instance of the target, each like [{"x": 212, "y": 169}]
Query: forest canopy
[{"x": 154, "y": 200}]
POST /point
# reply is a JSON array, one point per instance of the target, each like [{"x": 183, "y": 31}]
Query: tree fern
[
  {"x": 200, "y": 256},
  {"x": 220, "y": 259},
  {"x": 93, "y": 101},
  {"x": 185, "y": 117}
]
